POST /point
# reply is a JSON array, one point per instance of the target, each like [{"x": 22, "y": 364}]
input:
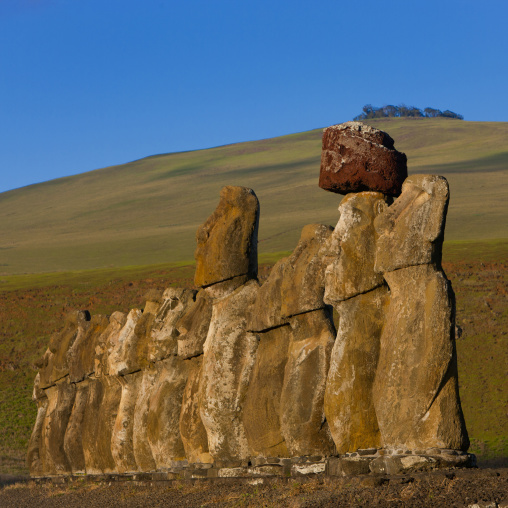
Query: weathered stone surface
[
  {"x": 356, "y": 157},
  {"x": 141, "y": 446},
  {"x": 104, "y": 396},
  {"x": 227, "y": 241},
  {"x": 352, "y": 271},
  {"x": 266, "y": 312},
  {"x": 349, "y": 407},
  {"x": 143, "y": 332},
  {"x": 192, "y": 430},
  {"x": 60, "y": 402},
  {"x": 346, "y": 466},
  {"x": 73, "y": 443},
  {"x": 411, "y": 230},
  {"x": 122, "y": 448},
  {"x": 393, "y": 464},
  {"x": 163, "y": 416},
  {"x": 262, "y": 403},
  {"x": 164, "y": 333},
  {"x": 122, "y": 347},
  {"x": 193, "y": 326},
  {"x": 303, "y": 423},
  {"x": 416, "y": 391},
  {"x": 107, "y": 342},
  {"x": 229, "y": 353},
  {"x": 54, "y": 365},
  {"x": 303, "y": 284},
  {"x": 81, "y": 354},
  {"x": 35, "y": 453}
]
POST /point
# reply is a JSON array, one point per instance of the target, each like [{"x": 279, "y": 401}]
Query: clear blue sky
[{"x": 91, "y": 83}]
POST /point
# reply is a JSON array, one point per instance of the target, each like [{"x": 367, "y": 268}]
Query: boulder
[
  {"x": 302, "y": 417},
  {"x": 262, "y": 402},
  {"x": 227, "y": 241},
  {"x": 356, "y": 157},
  {"x": 348, "y": 403},
  {"x": 303, "y": 284},
  {"x": 229, "y": 354},
  {"x": 352, "y": 271},
  {"x": 411, "y": 230},
  {"x": 415, "y": 391}
]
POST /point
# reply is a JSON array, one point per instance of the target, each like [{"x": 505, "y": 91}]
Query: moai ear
[{"x": 380, "y": 207}]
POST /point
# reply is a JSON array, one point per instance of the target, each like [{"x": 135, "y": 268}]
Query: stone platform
[{"x": 364, "y": 462}]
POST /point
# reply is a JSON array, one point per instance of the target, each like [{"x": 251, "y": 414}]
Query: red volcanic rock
[{"x": 357, "y": 157}]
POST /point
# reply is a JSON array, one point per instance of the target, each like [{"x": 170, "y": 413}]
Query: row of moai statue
[{"x": 237, "y": 370}]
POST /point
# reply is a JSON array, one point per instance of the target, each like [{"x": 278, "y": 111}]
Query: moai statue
[
  {"x": 168, "y": 378},
  {"x": 123, "y": 365},
  {"x": 416, "y": 389},
  {"x": 261, "y": 412},
  {"x": 360, "y": 297},
  {"x": 140, "y": 444},
  {"x": 60, "y": 393},
  {"x": 36, "y": 453},
  {"x": 80, "y": 358},
  {"x": 362, "y": 162},
  {"x": 193, "y": 329},
  {"x": 104, "y": 394},
  {"x": 226, "y": 266},
  {"x": 283, "y": 413},
  {"x": 156, "y": 436},
  {"x": 303, "y": 423}
]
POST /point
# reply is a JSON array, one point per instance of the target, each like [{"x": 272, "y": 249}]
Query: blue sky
[{"x": 87, "y": 84}]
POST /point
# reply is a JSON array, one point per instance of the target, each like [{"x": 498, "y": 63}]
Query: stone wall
[{"x": 239, "y": 378}]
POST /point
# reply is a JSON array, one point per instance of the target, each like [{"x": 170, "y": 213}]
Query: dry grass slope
[{"x": 147, "y": 211}]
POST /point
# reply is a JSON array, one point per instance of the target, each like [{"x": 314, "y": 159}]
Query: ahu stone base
[{"x": 362, "y": 462}]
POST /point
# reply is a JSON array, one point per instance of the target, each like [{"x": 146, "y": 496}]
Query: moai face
[
  {"x": 227, "y": 241},
  {"x": 352, "y": 272},
  {"x": 411, "y": 231}
]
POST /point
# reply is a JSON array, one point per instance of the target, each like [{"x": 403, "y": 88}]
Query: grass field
[{"x": 147, "y": 211}]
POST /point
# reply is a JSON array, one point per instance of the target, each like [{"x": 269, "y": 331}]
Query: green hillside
[{"x": 147, "y": 211}]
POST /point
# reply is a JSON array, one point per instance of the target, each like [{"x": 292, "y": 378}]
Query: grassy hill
[{"x": 147, "y": 211}]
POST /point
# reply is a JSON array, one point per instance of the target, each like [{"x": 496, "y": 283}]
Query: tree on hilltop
[{"x": 400, "y": 111}]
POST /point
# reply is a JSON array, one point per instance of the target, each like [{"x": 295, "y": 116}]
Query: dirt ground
[{"x": 452, "y": 488}]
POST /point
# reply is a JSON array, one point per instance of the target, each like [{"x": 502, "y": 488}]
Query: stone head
[
  {"x": 411, "y": 230},
  {"x": 227, "y": 241},
  {"x": 352, "y": 272}
]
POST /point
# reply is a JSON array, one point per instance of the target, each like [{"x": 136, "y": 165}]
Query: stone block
[{"x": 356, "y": 157}]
